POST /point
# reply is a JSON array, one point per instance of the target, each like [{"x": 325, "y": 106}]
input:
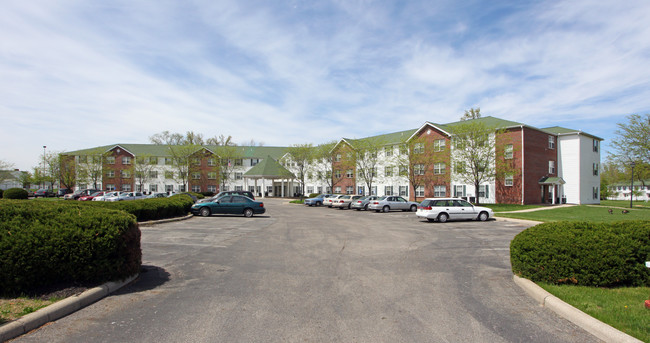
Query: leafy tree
[
  {"x": 367, "y": 157},
  {"x": 228, "y": 154},
  {"x": 302, "y": 155},
  {"x": 5, "y": 166},
  {"x": 91, "y": 166},
  {"x": 416, "y": 161},
  {"x": 142, "y": 168},
  {"x": 472, "y": 113},
  {"x": 632, "y": 144},
  {"x": 67, "y": 171},
  {"x": 324, "y": 158}
]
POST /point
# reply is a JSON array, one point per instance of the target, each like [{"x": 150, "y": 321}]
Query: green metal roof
[
  {"x": 269, "y": 167},
  {"x": 558, "y": 130},
  {"x": 489, "y": 121},
  {"x": 163, "y": 150},
  {"x": 552, "y": 180}
]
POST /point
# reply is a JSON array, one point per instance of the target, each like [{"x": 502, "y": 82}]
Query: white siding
[{"x": 576, "y": 160}]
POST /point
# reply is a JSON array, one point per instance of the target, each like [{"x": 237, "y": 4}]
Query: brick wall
[{"x": 537, "y": 155}]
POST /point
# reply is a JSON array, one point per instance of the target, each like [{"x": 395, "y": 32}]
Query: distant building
[
  {"x": 11, "y": 178},
  {"x": 621, "y": 191}
]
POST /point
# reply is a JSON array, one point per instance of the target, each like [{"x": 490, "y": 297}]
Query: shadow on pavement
[{"x": 150, "y": 277}]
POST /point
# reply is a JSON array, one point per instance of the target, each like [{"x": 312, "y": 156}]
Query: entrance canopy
[
  {"x": 269, "y": 169},
  {"x": 545, "y": 180}
]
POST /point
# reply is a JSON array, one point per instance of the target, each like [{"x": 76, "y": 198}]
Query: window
[
  {"x": 255, "y": 161},
  {"x": 349, "y": 190},
  {"x": 196, "y": 188},
  {"x": 403, "y": 191},
  {"x": 361, "y": 190},
  {"x": 418, "y": 148},
  {"x": 153, "y": 174},
  {"x": 125, "y": 174},
  {"x": 373, "y": 172},
  {"x": 348, "y": 155},
  {"x": 196, "y": 161},
  {"x": 460, "y": 191},
  {"x": 239, "y": 188},
  {"x": 596, "y": 193},
  {"x": 110, "y": 187},
  {"x": 126, "y": 160},
  {"x": 419, "y": 191},
  {"x": 337, "y": 189},
  {"x": 239, "y": 176},
  {"x": 337, "y": 158},
  {"x": 596, "y": 145},
  {"x": 388, "y": 190},
  {"x": 388, "y": 171},
  {"x": 239, "y": 162},
  {"x": 169, "y": 174},
  {"x": 110, "y": 159},
  {"x": 439, "y": 145},
  {"x": 509, "y": 181},
  {"x": 439, "y": 168},
  {"x": 110, "y": 174},
  {"x": 403, "y": 170},
  {"x": 153, "y": 160},
  {"x": 337, "y": 174},
  {"x": 212, "y": 162},
  {"x": 551, "y": 167},
  {"x": 349, "y": 173},
  {"x": 418, "y": 169},
  {"x": 196, "y": 175},
  {"x": 483, "y": 191},
  {"x": 403, "y": 149},
  {"x": 310, "y": 189},
  {"x": 153, "y": 188},
  {"x": 212, "y": 175},
  {"x": 374, "y": 190},
  {"x": 168, "y": 161},
  {"x": 251, "y": 189},
  {"x": 169, "y": 188},
  {"x": 388, "y": 151},
  {"x": 508, "y": 152},
  {"x": 551, "y": 142},
  {"x": 212, "y": 188},
  {"x": 126, "y": 187},
  {"x": 595, "y": 169},
  {"x": 439, "y": 191}
]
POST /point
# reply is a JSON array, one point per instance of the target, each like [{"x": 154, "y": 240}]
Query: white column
[
  {"x": 282, "y": 188},
  {"x": 553, "y": 194},
  {"x": 263, "y": 188}
]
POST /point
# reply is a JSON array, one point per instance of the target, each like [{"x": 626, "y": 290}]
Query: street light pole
[
  {"x": 632, "y": 183},
  {"x": 43, "y": 176}
]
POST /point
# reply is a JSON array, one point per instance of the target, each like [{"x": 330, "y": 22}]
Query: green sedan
[{"x": 229, "y": 204}]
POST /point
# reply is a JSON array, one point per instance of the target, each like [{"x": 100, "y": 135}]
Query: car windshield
[{"x": 381, "y": 198}]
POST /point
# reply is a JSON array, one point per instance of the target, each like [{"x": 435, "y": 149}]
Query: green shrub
[
  {"x": 313, "y": 195},
  {"x": 54, "y": 242},
  {"x": 145, "y": 209},
  {"x": 15, "y": 193},
  {"x": 583, "y": 253},
  {"x": 207, "y": 194}
]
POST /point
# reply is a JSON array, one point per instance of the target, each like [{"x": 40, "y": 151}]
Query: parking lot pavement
[{"x": 317, "y": 274}]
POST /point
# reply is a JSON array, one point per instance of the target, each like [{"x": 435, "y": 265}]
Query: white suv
[{"x": 443, "y": 209}]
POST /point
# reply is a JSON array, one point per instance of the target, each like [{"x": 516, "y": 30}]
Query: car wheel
[
  {"x": 319, "y": 204},
  {"x": 385, "y": 209},
  {"x": 442, "y": 217},
  {"x": 365, "y": 207},
  {"x": 205, "y": 212},
  {"x": 483, "y": 216},
  {"x": 248, "y": 212},
  {"x": 358, "y": 209},
  {"x": 414, "y": 208},
  {"x": 349, "y": 206}
]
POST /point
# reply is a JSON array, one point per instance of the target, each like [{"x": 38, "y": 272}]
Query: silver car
[
  {"x": 345, "y": 201},
  {"x": 389, "y": 203},
  {"x": 330, "y": 199},
  {"x": 362, "y": 203}
]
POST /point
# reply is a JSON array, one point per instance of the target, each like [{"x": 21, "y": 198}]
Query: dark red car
[{"x": 90, "y": 197}]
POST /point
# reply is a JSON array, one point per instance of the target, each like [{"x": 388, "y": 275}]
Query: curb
[
  {"x": 161, "y": 221},
  {"x": 590, "y": 324},
  {"x": 59, "y": 309}
]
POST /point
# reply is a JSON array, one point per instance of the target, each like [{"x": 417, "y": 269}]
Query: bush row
[
  {"x": 584, "y": 253},
  {"x": 149, "y": 209},
  {"x": 56, "y": 243},
  {"x": 15, "y": 193}
]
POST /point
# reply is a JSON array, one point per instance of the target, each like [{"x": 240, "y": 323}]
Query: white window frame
[
  {"x": 551, "y": 167},
  {"x": 439, "y": 145},
  {"x": 508, "y": 152},
  {"x": 439, "y": 191},
  {"x": 419, "y": 191},
  {"x": 439, "y": 168},
  {"x": 551, "y": 142},
  {"x": 509, "y": 180}
]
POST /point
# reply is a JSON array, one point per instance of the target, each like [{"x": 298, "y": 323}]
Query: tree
[
  {"x": 474, "y": 153},
  {"x": 302, "y": 155},
  {"x": 366, "y": 154},
  {"x": 472, "y": 113},
  {"x": 142, "y": 168},
  {"x": 632, "y": 144},
  {"x": 415, "y": 162},
  {"x": 5, "y": 166},
  {"x": 67, "y": 171},
  {"x": 325, "y": 160},
  {"x": 90, "y": 166}
]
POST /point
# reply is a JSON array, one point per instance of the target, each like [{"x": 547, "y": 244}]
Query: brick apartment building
[{"x": 549, "y": 165}]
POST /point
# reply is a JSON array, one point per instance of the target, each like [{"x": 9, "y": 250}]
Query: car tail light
[
  {"x": 424, "y": 207},
  {"x": 341, "y": 201},
  {"x": 261, "y": 204},
  {"x": 375, "y": 203}
]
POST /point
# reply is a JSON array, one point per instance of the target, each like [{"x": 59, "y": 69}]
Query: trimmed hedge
[
  {"x": 15, "y": 193},
  {"x": 152, "y": 209},
  {"x": 51, "y": 243},
  {"x": 584, "y": 253}
]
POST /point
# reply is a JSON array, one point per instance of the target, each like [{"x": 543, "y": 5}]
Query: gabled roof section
[
  {"x": 162, "y": 150},
  {"x": 489, "y": 121},
  {"x": 385, "y": 139},
  {"x": 563, "y": 131},
  {"x": 269, "y": 168},
  {"x": 430, "y": 125}
]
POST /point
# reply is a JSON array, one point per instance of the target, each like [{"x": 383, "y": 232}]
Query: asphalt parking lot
[{"x": 313, "y": 274}]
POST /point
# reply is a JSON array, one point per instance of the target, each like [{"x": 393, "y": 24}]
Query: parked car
[
  {"x": 63, "y": 192},
  {"x": 156, "y": 195},
  {"x": 126, "y": 196},
  {"x": 92, "y": 196},
  {"x": 345, "y": 201},
  {"x": 317, "y": 200},
  {"x": 362, "y": 203},
  {"x": 43, "y": 193},
  {"x": 79, "y": 193},
  {"x": 244, "y": 193},
  {"x": 229, "y": 204},
  {"x": 328, "y": 201},
  {"x": 444, "y": 209},
  {"x": 106, "y": 195},
  {"x": 388, "y": 203}
]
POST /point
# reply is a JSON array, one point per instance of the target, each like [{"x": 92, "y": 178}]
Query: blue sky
[{"x": 77, "y": 74}]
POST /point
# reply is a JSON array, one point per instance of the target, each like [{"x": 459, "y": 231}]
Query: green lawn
[
  {"x": 622, "y": 308},
  {"x": 509, "y": 207},
  {"x": 625, "y": 203},
  {"x": 580, "y": 213}
]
